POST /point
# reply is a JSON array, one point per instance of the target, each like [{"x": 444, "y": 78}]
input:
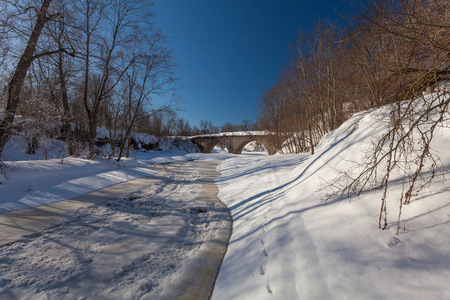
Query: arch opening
[
  {"x": 210, "y": 146},
  {"x": 252, "y": 146}
]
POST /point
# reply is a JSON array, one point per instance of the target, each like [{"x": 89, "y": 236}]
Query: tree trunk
[
  {"x": 125, "y": 142},
  {"x": 92, "y": 135},
  {"x": 128, "y": 147},
  {"x": 68, "y": 136},
  {"x": 16, "y": 82},
  {"x": 311, "y": 138}
]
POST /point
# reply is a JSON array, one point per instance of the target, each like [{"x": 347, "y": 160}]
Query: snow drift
[{"x": 288, "y": 243}]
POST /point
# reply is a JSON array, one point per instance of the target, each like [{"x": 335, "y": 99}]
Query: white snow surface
[
  {"x": 130, "y": 248},
  {"x": 287, "y": 243},
  {"x": 143, "y": 246},
  {"x": 33, "y": 181}
]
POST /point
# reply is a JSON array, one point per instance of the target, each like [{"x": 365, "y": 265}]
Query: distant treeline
[{"x": 382, "y": 52}]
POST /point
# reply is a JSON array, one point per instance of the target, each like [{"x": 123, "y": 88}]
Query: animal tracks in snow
[
  {"x": 262, "y": 267},
  {"x": 262, "y": 270},
  {"x": 269, "y": 289}
]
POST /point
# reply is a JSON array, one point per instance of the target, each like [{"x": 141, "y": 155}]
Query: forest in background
[{"x": 382, "y": 52}]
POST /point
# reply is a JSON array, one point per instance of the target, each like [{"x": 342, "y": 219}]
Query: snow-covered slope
[{"x": 288, "y": 243}]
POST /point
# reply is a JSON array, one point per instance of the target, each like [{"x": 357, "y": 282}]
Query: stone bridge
[{"x": 236, "y": 141}]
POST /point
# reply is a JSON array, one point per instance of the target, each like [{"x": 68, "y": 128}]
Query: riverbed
[{"x": 165, "y": 240}]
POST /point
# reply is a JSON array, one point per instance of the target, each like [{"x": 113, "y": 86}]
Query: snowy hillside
[{"x": 288, "y": 243}]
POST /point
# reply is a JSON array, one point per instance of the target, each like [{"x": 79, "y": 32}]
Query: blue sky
[{"x": 230, "y": 51}]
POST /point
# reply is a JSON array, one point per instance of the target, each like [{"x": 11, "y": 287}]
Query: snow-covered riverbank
[{"x": 288, "y": 243}]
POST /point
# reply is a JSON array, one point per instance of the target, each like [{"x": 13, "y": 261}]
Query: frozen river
[{"x": 163, "y": 241}]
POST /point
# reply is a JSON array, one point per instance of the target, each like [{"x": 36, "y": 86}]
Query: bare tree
[
  {"x": 307, "y": 101},
  {"x": 40, "y": 15},
  {"x": 228, "y": 127},
  {"x": 113, "y": 34},
  {"x": 149, "y": 74},
  {"x": 97, "y": 85},
  {"x": 246, "y": 125},
  {"x": 207, "y": 127},
  {"x": 183, "y": 128},
  {"x": 420, "y": 102},
  {"x": 60, "y": 35}
]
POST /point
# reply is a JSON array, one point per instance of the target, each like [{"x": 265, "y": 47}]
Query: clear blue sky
[{"x": 230, "y": 51}]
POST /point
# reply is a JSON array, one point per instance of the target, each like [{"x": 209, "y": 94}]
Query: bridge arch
[
  {"x": 240, "y": 147},
  {"x": 210, "y": 146},
  {"x": 235, "y": 142}
]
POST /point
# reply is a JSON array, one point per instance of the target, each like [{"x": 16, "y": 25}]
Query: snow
[
  {"x": 143, "y": 246},
  {"x": 46, "y": 181},
  {"x": 287, "y": 242},
  {"x": 34, "y": 181},
  {"x": 237, "y": 133}
]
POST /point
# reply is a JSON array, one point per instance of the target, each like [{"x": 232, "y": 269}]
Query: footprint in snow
[
  {"x": 393, "y": 241},
  {"x": 265, "y": 252},
  {"x": 262, "y": 271},
  {"x": 269, "y": 290}
]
